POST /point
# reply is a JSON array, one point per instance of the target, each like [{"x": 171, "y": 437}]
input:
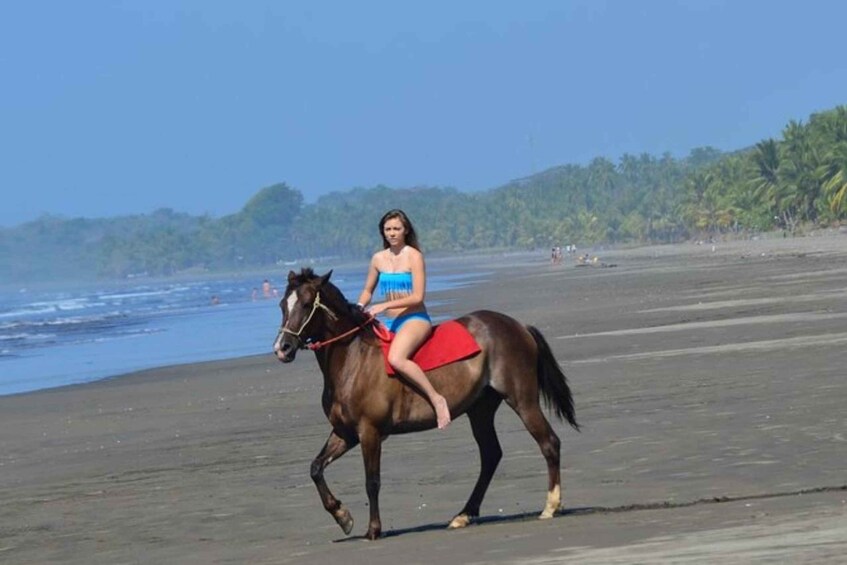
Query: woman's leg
[{"x": 406, "y": 341}]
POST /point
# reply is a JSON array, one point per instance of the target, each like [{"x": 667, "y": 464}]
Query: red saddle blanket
[{"x": 449, "y": 342}]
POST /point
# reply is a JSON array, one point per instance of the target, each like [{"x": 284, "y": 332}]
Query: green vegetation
[{"x": 798, "y": 180}]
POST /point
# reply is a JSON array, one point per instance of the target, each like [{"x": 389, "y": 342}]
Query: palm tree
[
  {"x": 801, "y": 161},
  {"x": 834, "y": 177},
  {"x": 766, "y": 160}
]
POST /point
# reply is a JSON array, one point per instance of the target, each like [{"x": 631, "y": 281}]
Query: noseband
[
  {"x": 317, "y": 304},
  {"x": 317, "y": 345}
]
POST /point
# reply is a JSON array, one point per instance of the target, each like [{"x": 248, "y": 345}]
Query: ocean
[{"x": 55, "y": 336}]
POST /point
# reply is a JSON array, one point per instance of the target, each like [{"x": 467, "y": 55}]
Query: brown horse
[{"x": 364, "y": 405}]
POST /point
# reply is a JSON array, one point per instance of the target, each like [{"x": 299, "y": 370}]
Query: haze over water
[{"x": 51, "y": 338}]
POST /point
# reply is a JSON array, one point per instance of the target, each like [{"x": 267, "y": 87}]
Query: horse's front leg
[
  {"x": 372, "y": 453},
  {"x": 335, "y": 447}
]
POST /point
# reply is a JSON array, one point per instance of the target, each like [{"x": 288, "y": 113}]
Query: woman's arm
[{"x": 370, "y": 283}]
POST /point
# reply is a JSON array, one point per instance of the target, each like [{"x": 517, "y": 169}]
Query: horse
[{"x": 364, "y": 405}]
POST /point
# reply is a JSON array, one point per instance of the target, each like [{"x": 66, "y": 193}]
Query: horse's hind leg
[
  {"x": 335, "y": 447},
  {"x": 481, "y": 415},
  {"x": 538, "y": 426}
]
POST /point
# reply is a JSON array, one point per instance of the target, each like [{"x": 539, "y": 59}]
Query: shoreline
[
  {"x": 184, "y": 332},
  {"x": 709, "y": 386},
  {"x": 491, "y": 263}
]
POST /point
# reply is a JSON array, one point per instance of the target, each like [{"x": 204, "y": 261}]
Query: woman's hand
[{"x": 376, "y": 309}]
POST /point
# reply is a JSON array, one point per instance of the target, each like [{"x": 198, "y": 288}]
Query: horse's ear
[
  {"x": 291, "y": 276},
  {"x": 325, "y": 278}
]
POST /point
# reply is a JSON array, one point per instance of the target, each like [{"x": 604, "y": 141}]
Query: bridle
[{"x": 302, "y": 344}]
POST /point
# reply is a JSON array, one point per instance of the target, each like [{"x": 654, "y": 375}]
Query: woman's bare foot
[{"x": 442, "y": 412}]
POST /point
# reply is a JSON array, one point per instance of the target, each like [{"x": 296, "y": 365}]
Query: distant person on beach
[
  {"x": 255, "y": 295},
  {"x": 399, "y": 273},
  {"x": 556, "y": 255},
  {"x": 266, "y": 288}
]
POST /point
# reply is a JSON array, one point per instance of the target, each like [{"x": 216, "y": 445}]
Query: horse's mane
[{"x": 335, "y": 299}]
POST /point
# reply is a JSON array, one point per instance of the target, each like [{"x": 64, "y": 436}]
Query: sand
[{"x": 710, "y": 386}]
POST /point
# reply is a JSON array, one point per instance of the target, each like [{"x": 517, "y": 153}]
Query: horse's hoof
[
  {"x": 344, "y": 519},
  {"x": 554, "y": 503},
  {"x": 459, "y": 521},
  {"x": 547, "y": 514},
  {"x": 373, "y": 534}
]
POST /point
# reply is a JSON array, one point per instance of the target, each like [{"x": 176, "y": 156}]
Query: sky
[{"x": 123, "y": 107}]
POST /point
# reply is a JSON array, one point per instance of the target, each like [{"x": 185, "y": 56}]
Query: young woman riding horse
[
  {"x": 401, "y": 274},
  {"x": 364, "y": 405}
]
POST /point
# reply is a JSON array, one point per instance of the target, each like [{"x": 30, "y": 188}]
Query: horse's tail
[{"x": 552, "y": 381}]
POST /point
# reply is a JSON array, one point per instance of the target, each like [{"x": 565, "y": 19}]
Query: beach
[{"x": 708, "y": 380}]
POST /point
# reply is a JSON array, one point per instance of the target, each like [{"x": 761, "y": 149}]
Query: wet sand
[{"x": 710, "y": 386}]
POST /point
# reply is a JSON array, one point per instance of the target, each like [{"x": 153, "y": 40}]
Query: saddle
[{"x": 449, "y": 342}]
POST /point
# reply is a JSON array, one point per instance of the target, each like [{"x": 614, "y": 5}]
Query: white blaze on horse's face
[
  {"x": 278, "y": 343},
  {"x": 291, "y": 302}
]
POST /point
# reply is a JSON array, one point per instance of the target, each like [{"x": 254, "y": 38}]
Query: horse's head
[{"x": 304, "y": 315}]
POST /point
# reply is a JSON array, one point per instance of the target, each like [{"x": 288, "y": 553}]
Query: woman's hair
[{"x": 411, "y": 237}]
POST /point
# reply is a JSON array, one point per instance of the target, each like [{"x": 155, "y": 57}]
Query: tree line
[{"x": 797, "y": 180}]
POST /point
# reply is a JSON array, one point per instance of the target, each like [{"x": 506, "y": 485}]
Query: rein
[{"x": 319, "y": 344}]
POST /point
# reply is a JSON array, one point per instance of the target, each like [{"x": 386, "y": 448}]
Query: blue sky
[{"x": 121, "y": 107}]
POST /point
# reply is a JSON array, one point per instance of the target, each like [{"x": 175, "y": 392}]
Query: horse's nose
[
  {"x": 280, "y": 346},
  {"x": 282, "y": 350}
]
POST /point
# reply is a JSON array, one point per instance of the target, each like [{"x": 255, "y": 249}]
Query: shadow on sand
[
  {"x": 482, "y": 520},
  {"x": 586, "y": 510}
]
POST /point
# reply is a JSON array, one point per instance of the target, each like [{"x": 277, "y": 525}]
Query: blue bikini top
[{"x": 395, "y": 283}]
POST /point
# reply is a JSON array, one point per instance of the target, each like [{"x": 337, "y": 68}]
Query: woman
[{"x": 400, "y": 272}]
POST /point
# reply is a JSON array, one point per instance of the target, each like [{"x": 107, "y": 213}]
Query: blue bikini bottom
[{"x": 394, "y": 324}]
